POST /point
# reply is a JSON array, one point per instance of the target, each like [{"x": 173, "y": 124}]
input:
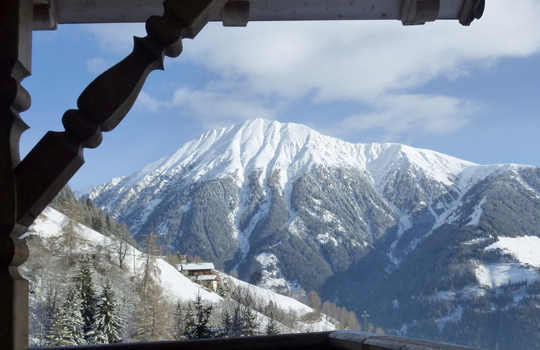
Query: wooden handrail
[
  {"x": 301, "y": 341},
  {"x": 346, "y": 340},
  {"x": 349, "y": 340}
]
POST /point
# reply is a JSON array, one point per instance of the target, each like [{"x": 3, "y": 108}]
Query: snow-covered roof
[
  {"x": 197, "y": 266},
  {"x": 206, "y": 277}
]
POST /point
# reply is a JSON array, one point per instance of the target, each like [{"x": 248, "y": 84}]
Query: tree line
[{"x": 90, "y": 312}]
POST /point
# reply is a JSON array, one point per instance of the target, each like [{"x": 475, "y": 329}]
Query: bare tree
[
  {"x": 122, "y": 242},
  {"x": 153, "y": 312}
]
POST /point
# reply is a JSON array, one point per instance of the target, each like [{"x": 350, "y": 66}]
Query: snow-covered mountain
[{"x": 288, "y": 207}]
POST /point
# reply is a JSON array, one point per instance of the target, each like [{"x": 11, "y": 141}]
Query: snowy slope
[
  {"x": 525, "y": 249},
  {"x": 176, "y": 285},
  {"x": 287, "y": 304},
  {"x": 494, "y": 275},
  {"x": 50, "y": 223}
]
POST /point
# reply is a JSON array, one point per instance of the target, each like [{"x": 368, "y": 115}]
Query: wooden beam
[
  {"x": 45, "y": 15},
  {"x": 118, "y": 11},
  {"x": 236, "y": 14},
  {"x": 414, "y": 12},
  {"x": 471, "y": 10}
]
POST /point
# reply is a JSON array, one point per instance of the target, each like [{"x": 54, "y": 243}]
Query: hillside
[{"x": 50, "y": 275}]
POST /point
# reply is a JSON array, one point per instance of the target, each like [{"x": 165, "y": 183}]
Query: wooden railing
[{"x": 347, "y": 340}]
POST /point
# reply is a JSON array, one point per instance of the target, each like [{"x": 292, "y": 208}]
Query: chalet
[
  {"x": 209, "y": 281},
  {"x": 202, "y": 273},
  {"x": 28, "y": 185},
  {"x": 196, "y": 269}
]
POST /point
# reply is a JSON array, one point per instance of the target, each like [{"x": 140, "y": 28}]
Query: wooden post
[
  {"x": 15, "y": 65},
  {"x": 27, "y": 186}
]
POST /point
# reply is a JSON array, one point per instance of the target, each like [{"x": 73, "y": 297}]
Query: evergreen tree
[
  {"x": 108, "y": 322},
  {"x": 178, "y": 322},
  {"x": 190, "y": 322},
  {"x": 272, "y": 326},
  {"x": 67, "y": 328},
  {"x": 237, "y": 327},
  {"x": 201, "y": 329},
  {"x": 250, "y": 323},
  {"x": 85, "y": 285},
  {"x": 227, "y": 323}
]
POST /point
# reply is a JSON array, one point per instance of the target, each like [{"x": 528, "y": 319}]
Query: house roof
[
  {"x": 197, "y": 266},
  {"x": 207, "y": 278}
]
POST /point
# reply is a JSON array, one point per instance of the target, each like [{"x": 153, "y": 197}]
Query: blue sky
[{"x": 470, "y": 92}]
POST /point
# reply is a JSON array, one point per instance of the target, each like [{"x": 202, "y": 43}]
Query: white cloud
[
  {"x": 374, "y": 63},
  {"x": 116, "y": 38},
  {"x": 359, "y": 60},
  {"x": 215, "y": 108},
  {"x": 97, "y": 65},
  {"x": 149, "y": 103},
  {"x": 405, "y": 115}
]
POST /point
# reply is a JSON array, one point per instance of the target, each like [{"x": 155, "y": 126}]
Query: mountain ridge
[
  {"x": 282, "y": 153},
  {"x": 290, "y": 208},
  {"x": 255, "y": 143}
]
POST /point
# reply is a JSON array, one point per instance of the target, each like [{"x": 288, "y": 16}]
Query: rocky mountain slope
[{"x": 378, "y": 225}]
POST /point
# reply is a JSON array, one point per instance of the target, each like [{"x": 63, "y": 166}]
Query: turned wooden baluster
[
  {"x": 15, "y": 65},
  {"x": 28, "y": 186}
]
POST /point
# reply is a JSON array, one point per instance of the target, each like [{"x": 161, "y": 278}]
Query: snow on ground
[
  {"x": 468, "y": 292},
  {"x": 443, "y": 295},
  {"x": 494, "y": 275},
  {"x": 526, "y": 249},
  {"x": 453, "y": 315},
  {"x": 281, "y": 301},
  {"x": 471, "y": 292},
  {"x": 477, "y": 240},
  {"x": 325, "y": 238},
  {"x": 285, "y": 303},
  {"x": 520, "y": 294},
  {"x": 50, "y": 223},
  {"x": 180, "y": 286},
  {"x": 475, "y": 216},
  {"x": 272, "y": 278}
]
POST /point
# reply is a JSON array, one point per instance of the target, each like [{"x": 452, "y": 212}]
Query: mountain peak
[{"x": 291, "y": 149}]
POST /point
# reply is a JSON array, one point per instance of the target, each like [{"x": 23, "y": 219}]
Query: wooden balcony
[
  {"x": 346, "y": 340},
  {"x": 107, "y": 100}
]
